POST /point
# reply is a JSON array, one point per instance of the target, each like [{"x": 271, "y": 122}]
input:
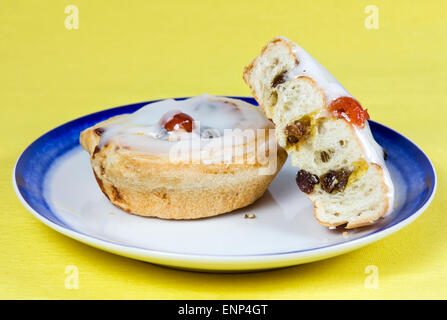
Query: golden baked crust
[{"x": 148, "y": 185}]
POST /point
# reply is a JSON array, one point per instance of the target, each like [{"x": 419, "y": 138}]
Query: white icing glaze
[
  {"x": 308, "y": 66},
  {"x": 311, "y": 68},
  {"x": 143, "y": 130},
  {"x": 375, "y": 154}
]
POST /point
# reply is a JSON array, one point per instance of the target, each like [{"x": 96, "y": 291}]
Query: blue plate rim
[{"x": 347, "y": 245}]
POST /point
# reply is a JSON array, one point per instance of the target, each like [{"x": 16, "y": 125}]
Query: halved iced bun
[
  {"x": 325, "y": 132},
  {"x": 174, "y": 160}
]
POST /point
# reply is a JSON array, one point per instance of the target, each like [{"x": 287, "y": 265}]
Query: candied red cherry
[
  {"x": 172, "y": 122},
  {"x": 349, "y": 109}
]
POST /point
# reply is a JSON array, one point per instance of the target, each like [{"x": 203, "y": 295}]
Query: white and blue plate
[{"x": 54, "y": 181}]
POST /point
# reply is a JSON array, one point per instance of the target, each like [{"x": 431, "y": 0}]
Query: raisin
[
  {"x": 99, "y": 131},
  {"x": 292, "y": 139},
  {"x": 297, "y": 130},
  {"x": 306, "y": 181},
  {"x": 342, "y": 177},
  {"x": 328, "y": 181},
  {"x": 325, "y": 157},
  {"x": 278, "y": 79},
  {"x": 335, "y": 180}
]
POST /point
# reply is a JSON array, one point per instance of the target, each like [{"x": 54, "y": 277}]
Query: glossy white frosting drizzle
[{"x": 214, "y": 118}]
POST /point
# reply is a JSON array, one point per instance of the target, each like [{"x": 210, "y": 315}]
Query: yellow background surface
[{"x": 132, "y": 51}]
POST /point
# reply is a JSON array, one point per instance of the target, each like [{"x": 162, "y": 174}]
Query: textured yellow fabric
[{"x": 131, "y": 51}]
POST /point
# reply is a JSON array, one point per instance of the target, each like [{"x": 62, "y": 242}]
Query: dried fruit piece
[
  {"x": 280, "y": 78},
  {"x": 349, "y": 109},
  {"x": 328, "y": 181},
  {"x": 298, "y": 130},
  {"x": 99, "y": 131},
  {"x": 179, "y": 121},
  {"x": 335, "y": 180},
  {"x": 360, "y": 167},
  {"x": 306, "y": 181},
  {"x": 292, "y": 139},
  {"x": 324, "y": 156},
  {"x": 342, "y": 178}
]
